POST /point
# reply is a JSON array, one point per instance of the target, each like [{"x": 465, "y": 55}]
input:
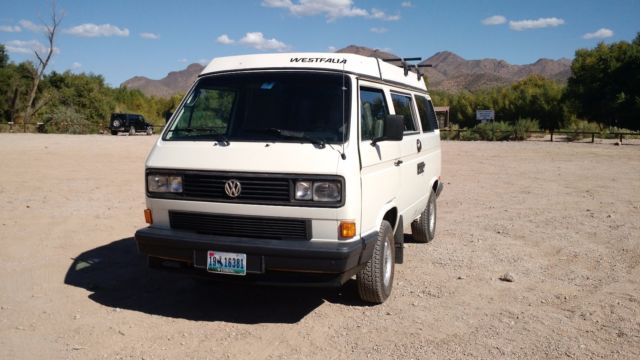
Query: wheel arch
[
  {"x": 390, "y": 214},
  {"x": 434, "y": 184}
]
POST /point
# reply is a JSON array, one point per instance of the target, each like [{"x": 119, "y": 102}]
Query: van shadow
[{"x": 117, "y": 276}]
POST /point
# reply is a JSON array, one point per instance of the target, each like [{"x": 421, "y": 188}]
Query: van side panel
[{"x": 380, "y": 177}]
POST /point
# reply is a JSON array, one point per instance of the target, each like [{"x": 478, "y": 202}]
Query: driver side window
[
  {"x": 373, "y": 110},
  {"x": 207, "y": 109}
]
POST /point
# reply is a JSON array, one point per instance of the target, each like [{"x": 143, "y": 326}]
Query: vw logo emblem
[{"x": 232, "y": 188}]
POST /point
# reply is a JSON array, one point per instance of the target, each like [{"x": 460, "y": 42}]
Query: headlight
[
  {"x": 326, "y": 191},
  {"x": 304, "y": 190},
  {"x": 164, "y": 183}
]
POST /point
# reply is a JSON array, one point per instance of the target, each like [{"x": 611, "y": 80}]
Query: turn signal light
[
  {"x": 148, "y": 217},
  {"x": 347, "y": 229}
]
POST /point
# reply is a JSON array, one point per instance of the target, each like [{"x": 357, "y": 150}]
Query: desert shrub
[
  {"x": 522, "y": 128},
  {"x": 610, "y": 133},
  {"x": 68, "y": 120},
  {"x": 494, "y": 131},
  {"x": 451, "y": 134},
  {"x": 581, "y": 126},
  {"x": 469, "y": 135}
]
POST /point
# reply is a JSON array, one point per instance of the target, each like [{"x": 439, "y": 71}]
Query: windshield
[{"x": 272, "y": 106}]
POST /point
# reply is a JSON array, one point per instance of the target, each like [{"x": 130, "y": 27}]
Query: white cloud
[
  {"x": 26, "y": 24},
  {"x": 331, "y": 9},
  {"x": 28, "y": 47},
  {"x": 183, "y": 60},
  {"x": 378, "y": 30},
  {"x": 76, "y": 66},
  {"x": 494, "y": 20},
  {"x": 535, "y": 24},
  {"x": 406, "y": 4},
  {"x": 225, "y": 40},
  {"x": 149, "y": 36},
  {"x": 93, "y": 30},
  {"x": 9, "y": 28},
  {"x": 600, "y": 34},
  {"x": 380, "y": 15},
  {"x": 257, "y": 41},
  {"x": 332, "y": 48}
]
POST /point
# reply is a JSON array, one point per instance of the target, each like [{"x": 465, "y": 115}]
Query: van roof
[{"x": 351, "y": 63}]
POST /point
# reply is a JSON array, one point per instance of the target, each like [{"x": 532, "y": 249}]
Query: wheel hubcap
[{"x": 387, "y": 264}]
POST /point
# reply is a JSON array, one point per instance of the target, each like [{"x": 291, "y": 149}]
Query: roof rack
[{"x": 406, "y": 66}]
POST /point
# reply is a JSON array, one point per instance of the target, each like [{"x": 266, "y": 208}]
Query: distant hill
[
  {"x": 365, "y": 51},
  {"x": 450, "y": 72},
  {"x": 176, "y": 82}
]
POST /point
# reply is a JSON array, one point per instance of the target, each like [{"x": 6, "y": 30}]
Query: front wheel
[
  {"x": 132, "y": 130},
  {"x": 375, "y": 280},
  {"x": 424, "y": 229}
]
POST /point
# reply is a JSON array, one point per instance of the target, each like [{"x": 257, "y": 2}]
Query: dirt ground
[{"x": 562, "y": 219}]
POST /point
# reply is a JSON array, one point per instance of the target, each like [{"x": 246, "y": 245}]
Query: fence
[
  {"x": 576, "y": 134},
  {"x": 77, "y": 128}
]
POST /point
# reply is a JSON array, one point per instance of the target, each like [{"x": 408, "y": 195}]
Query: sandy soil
[{"x": 563, "y": 219}]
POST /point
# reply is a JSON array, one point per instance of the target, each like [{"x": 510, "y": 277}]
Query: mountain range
[{"x": 448, "y": 72}]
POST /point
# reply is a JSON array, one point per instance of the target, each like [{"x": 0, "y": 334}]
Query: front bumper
[{"x": 338, "y": 260}]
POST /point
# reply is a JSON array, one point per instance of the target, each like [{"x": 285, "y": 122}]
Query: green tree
[
  {"x": 14, "y": 87},
  {"x": 4, "y": 57},
  {"x": 538, "y": 98},
  {"x": 605, "y": 84},
  {"x": 87, "y": 97}
]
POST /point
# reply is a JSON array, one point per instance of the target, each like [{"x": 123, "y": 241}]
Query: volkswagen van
[{"x": 299, "y": 168}]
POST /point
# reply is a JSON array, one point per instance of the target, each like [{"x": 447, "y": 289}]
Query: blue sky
[{"x": 120, "y": 39}]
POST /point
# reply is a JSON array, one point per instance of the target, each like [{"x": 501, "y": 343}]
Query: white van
[{"x": 301, "y": 168}]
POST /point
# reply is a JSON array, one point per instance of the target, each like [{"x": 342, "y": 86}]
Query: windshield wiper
[
  {"x": 191, "y": 129},
  {"x": 213, "y": 134},
  {"x": 297, "y": 135}
]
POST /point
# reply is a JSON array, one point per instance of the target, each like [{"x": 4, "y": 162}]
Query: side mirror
[
  {"x": 167, "y": 116},
  {"x": 393, "y": 129}
]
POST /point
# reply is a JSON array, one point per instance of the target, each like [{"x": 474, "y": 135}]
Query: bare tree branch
[
  {"x": 39, "y": 58},
  {"x": 51, "y": 30}
]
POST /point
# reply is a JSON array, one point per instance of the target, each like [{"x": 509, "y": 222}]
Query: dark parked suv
[{"x": 130, "y": 123}]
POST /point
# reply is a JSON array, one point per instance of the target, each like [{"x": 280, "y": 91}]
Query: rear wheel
[
  {"x": 424, "y": 229},
  {"x": 375, "y": 280}
]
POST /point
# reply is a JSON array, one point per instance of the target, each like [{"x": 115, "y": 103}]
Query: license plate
[{"x": 226, "y": 263}]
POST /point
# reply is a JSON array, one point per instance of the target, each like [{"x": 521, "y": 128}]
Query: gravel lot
[{"x": 563, "y": 220}]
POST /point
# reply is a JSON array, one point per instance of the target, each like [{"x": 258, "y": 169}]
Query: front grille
[
  {"x": 254, "y": 189},
  {"x": 241, "y": 226}
]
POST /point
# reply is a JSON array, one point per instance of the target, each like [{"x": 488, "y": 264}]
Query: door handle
[{"x": 397, "y": 162}]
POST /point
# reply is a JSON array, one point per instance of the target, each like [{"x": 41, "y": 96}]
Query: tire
[
  {"x": 114, "y": 132},
  {"x": 149, "y": 131},
  {"x": 375, "y": 280},
  {"x": 424, "y": 229},
  {"x": 132, "y": 130}
]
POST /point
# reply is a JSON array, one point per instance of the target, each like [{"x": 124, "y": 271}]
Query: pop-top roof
[{"x": 351, "y": 63}]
